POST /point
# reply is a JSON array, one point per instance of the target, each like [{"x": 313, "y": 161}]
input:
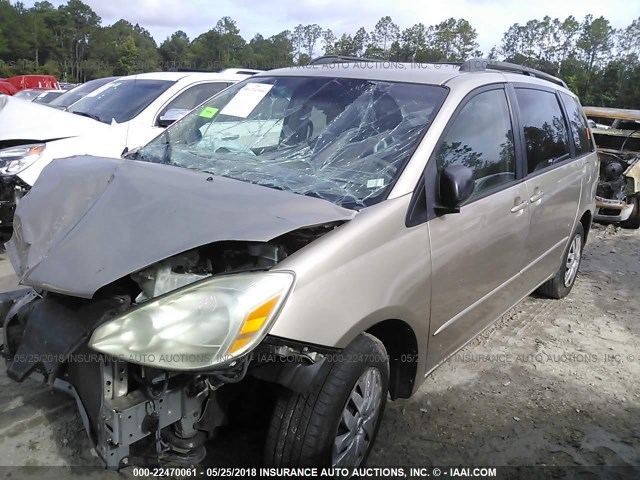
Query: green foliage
[
  {"x": 220, "y": 47},
  {"x": 268, "y": 53},
  {"x": 128, "y": 58},
  {"x": 3, "y": 43},
  {"x": 384, "y": 34},
  {"x": 599, "y": 63},
  {"x": 175, "y": 50}
]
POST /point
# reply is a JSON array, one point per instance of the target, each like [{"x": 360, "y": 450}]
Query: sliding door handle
[{"x": 537, "y": 197}]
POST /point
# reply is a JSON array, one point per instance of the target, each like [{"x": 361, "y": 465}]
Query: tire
[
  {"x": 304, "y": 426},
  {"x": 633, "y": 221},
  {"x": 561, "y": 283}
]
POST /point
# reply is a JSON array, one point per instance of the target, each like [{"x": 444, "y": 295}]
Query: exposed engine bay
[
  {"x": 617, "y": 190},
  {"x": 129, "y": 408},
  {"x": 617, "y": 135},
  {"x": 613, "y": 183}
]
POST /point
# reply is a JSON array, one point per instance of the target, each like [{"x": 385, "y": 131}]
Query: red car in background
[
  {"x": 11, "y": 85},
  {"x": 7, "y": 88}
]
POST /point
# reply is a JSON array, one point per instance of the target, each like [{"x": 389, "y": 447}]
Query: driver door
[{"x": 478, "y": 253}]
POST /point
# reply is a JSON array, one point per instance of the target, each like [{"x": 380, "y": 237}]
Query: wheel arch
[
  {"x": 586, "y": 220},
  {"x": 401, "y": 343}
]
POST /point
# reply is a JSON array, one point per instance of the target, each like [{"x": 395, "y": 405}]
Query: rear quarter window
[{"x": 578, "y": 124}]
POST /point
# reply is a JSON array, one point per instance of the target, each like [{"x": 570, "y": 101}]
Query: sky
[{"x": 490, "y": 18}]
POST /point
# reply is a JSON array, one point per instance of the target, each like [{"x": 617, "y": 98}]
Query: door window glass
[
  {"x": 481, "y": 138},
  {"x": 194, "y": 96},
  {"x": 545, "y": 131}
]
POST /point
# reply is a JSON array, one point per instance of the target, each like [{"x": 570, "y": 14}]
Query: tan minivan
[{"x": 322, "y": 236}]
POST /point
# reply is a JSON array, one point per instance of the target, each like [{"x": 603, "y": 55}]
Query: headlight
[
  {"x": 204, "y": 324},
  {"x": 15, "y": 159}
]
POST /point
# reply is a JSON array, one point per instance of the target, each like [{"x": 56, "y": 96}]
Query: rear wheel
[
  {"x": 561, "y": 283},
  {"x": 334, "y": 423},
  {"x": 634, "y": 220}
]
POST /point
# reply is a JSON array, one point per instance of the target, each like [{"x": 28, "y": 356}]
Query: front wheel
[
  {"x": 561, "y": 283},
  {"x": 334, "y": 423}
]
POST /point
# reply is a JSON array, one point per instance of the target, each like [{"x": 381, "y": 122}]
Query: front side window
[
  {"x": 194, "y": 96},
  {"x": 343, "y": 140},
  {"x": 120, "y": 100},
  {"x": 481, "y": 138},
  {"x": 545, "y": 130}
]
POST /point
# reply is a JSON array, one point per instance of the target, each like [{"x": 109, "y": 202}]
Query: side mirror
[
  {"x": 130, "y": 154},
  {"x": 455, "y": 186},
  {"x": 170, "y": 116}
]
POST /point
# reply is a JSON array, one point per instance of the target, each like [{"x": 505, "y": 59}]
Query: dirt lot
[{"x": 553, "y": 382}]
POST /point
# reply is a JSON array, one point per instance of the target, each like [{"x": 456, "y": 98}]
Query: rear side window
[
  {"x": 579, "y": 129},
  {"x": 545, "y": 131},
  {"x": 481, "y": 138}
]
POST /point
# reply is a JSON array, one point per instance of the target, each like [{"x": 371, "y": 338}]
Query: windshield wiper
[{"x": 88, "y": 115}]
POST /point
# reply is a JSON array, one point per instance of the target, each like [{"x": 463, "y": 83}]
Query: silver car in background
[{"x": 328, "y": 235}]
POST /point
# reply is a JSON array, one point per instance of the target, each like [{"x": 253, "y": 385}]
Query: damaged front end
[
  {"x": 618, "y": 191},
  {"x": 147, "y": 326},
  {"x": 146, "y": 357},
  {"x": 618, "y": 185}
]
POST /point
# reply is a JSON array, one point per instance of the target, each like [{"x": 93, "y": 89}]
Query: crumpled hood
[
  {"x": 89, "y": 221},
  {"x": 22, "y": 120}
]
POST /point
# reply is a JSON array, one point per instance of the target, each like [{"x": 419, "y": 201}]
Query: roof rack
[
  {"x": 482, "y": 64},
  {"x": 325, "y": 59}
]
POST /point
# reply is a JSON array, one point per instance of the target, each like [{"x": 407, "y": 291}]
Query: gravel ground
[{"x": 553, "y": 382}]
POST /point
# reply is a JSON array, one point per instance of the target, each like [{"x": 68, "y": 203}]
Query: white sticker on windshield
[
  {"x": 247, "y": 98},
  {"x": 376, "y": 182}
]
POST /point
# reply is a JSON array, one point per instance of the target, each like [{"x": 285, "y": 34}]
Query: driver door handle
[{"x": 519, "y": 207}]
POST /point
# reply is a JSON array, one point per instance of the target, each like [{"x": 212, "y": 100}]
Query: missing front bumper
[
  {"x": 120, "y": 404},
  {"x": 612, "y": 211},
  {"x": 134, "y": 413},
  {"x": 118, "y": 417}
]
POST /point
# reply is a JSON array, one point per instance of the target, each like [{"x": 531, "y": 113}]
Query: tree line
[{"x": 598, "y": 62}]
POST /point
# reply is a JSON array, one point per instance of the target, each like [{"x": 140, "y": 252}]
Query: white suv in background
[
  {"x": 139, "y": 104},
  {"x": 123, "y": 114}
]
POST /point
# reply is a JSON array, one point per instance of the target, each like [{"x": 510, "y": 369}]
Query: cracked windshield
[{"x": 343, "y": 140}]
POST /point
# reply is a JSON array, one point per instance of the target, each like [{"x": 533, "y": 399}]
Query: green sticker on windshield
[{"x": 208, "y": 112}]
